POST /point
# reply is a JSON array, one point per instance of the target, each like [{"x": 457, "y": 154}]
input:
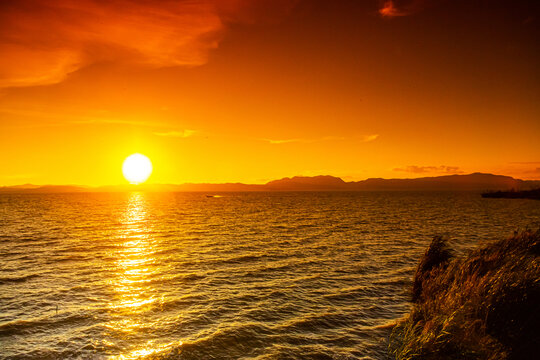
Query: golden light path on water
[
  {"x": 245, "y": 276},
  {"x": 134, "y": 295}
]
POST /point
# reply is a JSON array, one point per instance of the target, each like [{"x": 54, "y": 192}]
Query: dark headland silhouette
[
  {"x": 513, "y": 194},
  {"x": 472, "y": 182}
]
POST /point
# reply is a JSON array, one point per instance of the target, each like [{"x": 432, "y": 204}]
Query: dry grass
[{"x": 483, "y": 306}]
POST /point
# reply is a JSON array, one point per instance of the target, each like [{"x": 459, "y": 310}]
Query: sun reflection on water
[{"x": 134, "y": 297}]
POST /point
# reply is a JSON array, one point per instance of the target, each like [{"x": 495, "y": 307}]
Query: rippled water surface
[{"x": 241, "y": 276}]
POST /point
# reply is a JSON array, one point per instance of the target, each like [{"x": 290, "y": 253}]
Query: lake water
[{"x": 241, "y": 276}]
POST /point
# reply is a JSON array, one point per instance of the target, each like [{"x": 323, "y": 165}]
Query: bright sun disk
[{"x": 137, "y": 168}]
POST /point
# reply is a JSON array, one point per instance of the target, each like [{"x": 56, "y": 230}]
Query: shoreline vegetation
[
  {"x": 485, "y": 305},
  {"x": 513, "y": 194}
]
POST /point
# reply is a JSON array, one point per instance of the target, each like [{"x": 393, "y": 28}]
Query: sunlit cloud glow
[
  {"x": 42, "y": 41},
  {"x": 367, "y": 138},
  {"x": 393, "y": 8},
  {"x": 362, "y": 138},
  {"x": 389, "y": 10}
]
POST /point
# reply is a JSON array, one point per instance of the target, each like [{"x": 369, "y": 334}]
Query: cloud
[
  {"x": 177, "y": 134},
  {"x": 362, "y": 138},
  {"x": 367, "y": 138},
  {"x": 430, "y": 169},
  {"x": 42, "y": 41},
  {"x": 526, "y": 169},
  {"x": 395, "y": 8},
  {"x": 286, "y": 141},
  {"x": 389, "y": 9}
]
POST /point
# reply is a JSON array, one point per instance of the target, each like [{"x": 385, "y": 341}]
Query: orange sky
[{"x": 250, "y": 91}]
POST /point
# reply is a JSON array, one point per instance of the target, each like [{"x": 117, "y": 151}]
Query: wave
[
  {"x": 43, "y": 324},
  {"x": 231, "y": 342},
  {"x": 17, "y": 279},
  {"x": 218, "y": 277},
  {"x": 317, "y": 322}
]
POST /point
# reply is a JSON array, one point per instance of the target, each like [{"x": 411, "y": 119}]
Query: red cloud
[
  {"x": 41, "y": 41},
  {"x": 389, "y": 9},
  {"x": 394, "y": 8}
]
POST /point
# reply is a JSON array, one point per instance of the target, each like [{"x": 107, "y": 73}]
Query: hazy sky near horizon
[{"x": 250, "y": 91}]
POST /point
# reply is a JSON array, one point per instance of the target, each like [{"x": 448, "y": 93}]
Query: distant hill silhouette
[
  {"x": 25, "y": 186},
  {"x": 524, "y": 194},
  {"x": 30, "y": 189},
  {"x": 303, "y": 183},
  {"x": 472, "y": 182}
]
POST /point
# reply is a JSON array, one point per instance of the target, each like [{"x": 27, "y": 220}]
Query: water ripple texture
[{"x": 236, "y": 276}]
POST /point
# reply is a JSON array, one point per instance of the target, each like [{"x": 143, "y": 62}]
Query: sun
[{"x": 137, "y": 168}]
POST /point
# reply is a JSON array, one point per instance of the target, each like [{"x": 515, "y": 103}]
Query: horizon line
[{"x": 255, "y": 184}]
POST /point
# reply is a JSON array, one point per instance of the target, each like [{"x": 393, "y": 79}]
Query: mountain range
[{"x": 479, "y": 182}]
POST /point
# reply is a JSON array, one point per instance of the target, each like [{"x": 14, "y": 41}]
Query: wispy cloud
[
  {"x": 42, "y": 41},
  {"x": 286, "y": 141},
  {"x": 299, "y": 140},
  {"x": 389, "y": 9},
  {"x": 367, "y": 138},
  {"x": 177, "y": 134},
  {"x": 524, "y": 169},
  {"x": 395, "y": 8},
  {"x": 443, "y": 169},
  {"x": 362, "y": 138}
]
